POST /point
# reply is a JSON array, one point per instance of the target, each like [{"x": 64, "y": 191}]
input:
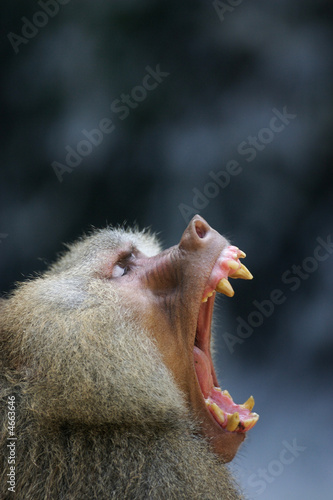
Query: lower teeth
[
  {"x": 231, "y": 422},
  {"x": 217, "y": 412}
]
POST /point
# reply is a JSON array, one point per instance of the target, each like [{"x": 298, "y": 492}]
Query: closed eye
[
  {"x": 119, "y": 271},
  {"x": 123, "y": 265}
]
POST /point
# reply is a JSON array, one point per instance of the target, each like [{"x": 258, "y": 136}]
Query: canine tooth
[
  {"x": 233, "y": 421},
  {"x": 204, "y": 299},
  {"x": 250, "y": 422},
  {"x": 241, "y": 254},
  {"x": 232, "y": 264},
  {"x": 224, "y": 286},
  {"x": 218, "y": 413},
  {"x": 242, "y": 273},
  {"x": 249, "y": 404}
]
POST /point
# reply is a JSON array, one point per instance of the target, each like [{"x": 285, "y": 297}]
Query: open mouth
[{"x": 229, "y": 415}]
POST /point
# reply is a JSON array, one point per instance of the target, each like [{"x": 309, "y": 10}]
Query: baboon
[{"x": 107, "y": 385}]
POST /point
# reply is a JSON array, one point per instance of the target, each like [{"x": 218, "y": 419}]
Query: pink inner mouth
[
  {"x": 212, "y": 393},
  {"x": 221, "y": 268}
]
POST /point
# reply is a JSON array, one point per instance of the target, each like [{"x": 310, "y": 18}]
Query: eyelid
[
  {"x": 123, "y": 264},
  {"x": 125, "y": 257},
  {"x": 118, "y": 271}
]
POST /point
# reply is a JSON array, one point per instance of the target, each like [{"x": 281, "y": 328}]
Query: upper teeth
[
  {"x": 233, "y": 268},
  {"x": 242, "y": 272},
  {"x": 207, "y": 296},
  {"x": 224, "y": 286}
]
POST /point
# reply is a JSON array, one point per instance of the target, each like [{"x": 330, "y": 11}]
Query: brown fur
[{"x": 99, "y": 413}]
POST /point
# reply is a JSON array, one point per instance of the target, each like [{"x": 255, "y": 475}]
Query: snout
[{"x": 199, "y": 235}]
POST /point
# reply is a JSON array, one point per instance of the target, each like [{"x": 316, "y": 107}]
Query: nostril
[
  {"x": 201, "y": 228},
  {"x": 197, "y": 234}
]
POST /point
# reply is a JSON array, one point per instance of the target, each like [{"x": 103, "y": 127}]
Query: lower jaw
[
  {"x": 223, "y": 443},
  {"x": 230, "y": 416}
]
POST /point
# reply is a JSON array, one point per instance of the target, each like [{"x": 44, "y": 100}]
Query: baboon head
[
  {"x": 117, "y": 333},
  {"x": 174, "y": 292}
]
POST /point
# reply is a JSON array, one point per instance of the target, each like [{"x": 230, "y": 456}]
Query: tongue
[{"x": 203, "y": 370}]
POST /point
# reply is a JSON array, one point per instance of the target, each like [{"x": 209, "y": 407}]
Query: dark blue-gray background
[{"x": 223, "y": 73}]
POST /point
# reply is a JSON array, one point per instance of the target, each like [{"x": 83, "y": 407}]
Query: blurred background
[{"x": 149, "y": 112}]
